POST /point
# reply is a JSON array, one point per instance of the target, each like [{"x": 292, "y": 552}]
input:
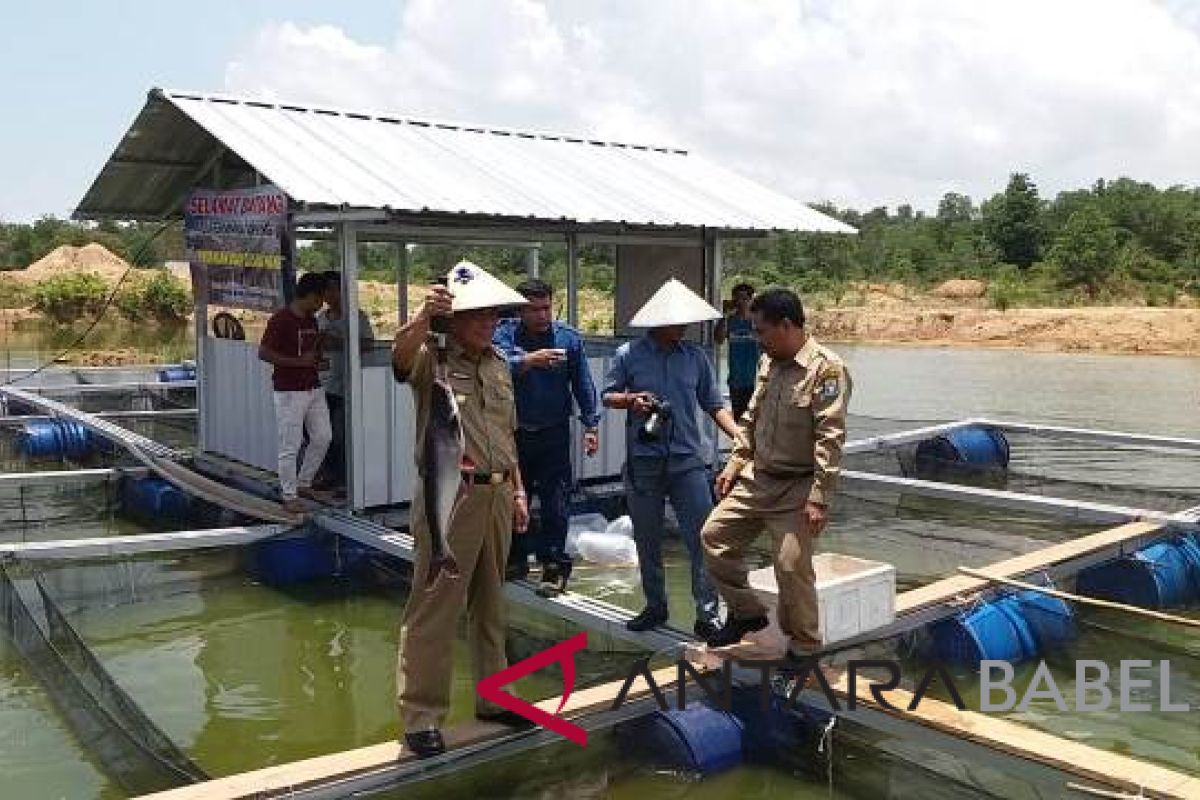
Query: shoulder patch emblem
[{"x": 829, "y": 390}]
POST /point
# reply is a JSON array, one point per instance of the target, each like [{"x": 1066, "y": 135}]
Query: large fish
[{"x": 442, "y": 481}]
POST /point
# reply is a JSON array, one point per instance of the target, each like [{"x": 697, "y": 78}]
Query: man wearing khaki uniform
[
  {"x": 492, "y": 506},
  {"x": 785, "y": 464}
]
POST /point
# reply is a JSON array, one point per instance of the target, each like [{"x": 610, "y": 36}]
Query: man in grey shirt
[
  {"x": 334, "y": 328},
  {"x": 665, "y": 383}
]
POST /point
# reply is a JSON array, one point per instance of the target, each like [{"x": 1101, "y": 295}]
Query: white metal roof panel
[{"x": 345, "y": 159}]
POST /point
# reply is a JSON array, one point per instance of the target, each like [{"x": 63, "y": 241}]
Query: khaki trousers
[
  {"x": 757, "y": 503},
  {"x": 479, "y": 539}
]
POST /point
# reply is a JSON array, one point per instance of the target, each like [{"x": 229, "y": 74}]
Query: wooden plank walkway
[
  {"x": 1069, "y": 756},
  {"x": 377, "y": 762},
  {"x": 137, "y": 544},
  {"x": 1077, "y": 553}
]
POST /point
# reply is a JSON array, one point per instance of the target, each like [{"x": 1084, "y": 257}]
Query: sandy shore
[
  {"x": 877, "y": 314},
  {"x": 1164, "y": 331}
]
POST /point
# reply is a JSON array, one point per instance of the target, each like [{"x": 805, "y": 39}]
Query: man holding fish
[{"x": 468, "y": 501}]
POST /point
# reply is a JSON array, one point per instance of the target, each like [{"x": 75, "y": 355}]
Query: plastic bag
[
  {"x": 607, "y": 549},
  {"x": 580, "y": 524},
  {"x": 621, "y": 526}
]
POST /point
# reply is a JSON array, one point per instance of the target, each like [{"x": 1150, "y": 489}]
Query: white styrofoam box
[{"x": 854, "y": 595}]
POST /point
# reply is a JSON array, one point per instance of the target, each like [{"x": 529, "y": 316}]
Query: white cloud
[{"x": 862, "y": 102}]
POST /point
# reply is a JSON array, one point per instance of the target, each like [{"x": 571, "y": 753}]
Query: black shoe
[
  {"x": 706, "y": 627},
  {"x": 504, "y": 717},
  {"x": 425, "y": 744},
  {"x": 554, "y": 578},
  {"x": 516, "y": 570},
  {"x": 651, "y": 617},
  {"x": 734, "y": 629}
]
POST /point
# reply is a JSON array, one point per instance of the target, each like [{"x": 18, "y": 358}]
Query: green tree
[
  {"x": 1012, "y": 221},
  {"x": 70, "y": 297},
  {"x": 1085, "y": 249}
]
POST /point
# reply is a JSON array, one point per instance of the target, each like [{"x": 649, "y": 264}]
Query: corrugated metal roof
[{"x": 329, "y": 158}]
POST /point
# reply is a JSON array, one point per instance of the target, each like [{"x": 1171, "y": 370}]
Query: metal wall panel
[
  {"x": 240, "y": 422},
  {"x": 388, "y": 416},
  {"x": 239, "y": 418}
]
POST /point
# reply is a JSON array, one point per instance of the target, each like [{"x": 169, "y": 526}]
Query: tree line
[{"x": 1117, "y": 241}]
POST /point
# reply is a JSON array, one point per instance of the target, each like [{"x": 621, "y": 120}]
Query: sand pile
[
  {"x": 67, "y": 259},
  {"x": 960, "y": 289}
]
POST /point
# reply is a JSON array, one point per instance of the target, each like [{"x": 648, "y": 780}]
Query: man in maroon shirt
[{"x": 291, "y": 344}]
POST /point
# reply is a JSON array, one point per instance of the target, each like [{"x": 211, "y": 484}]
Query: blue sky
[
  {"x": 75, "y": 74},
  {"x": 858, "y": 102}
]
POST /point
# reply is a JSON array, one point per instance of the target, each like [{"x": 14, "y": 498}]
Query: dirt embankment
[
  {"x": 958, "y": 317},
  {"x": 955, "y": 314}
]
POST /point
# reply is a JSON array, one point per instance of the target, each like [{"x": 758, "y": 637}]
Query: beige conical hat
[
  {"x": 673, "y": 304},
  {"x": 472, "y": 287}
]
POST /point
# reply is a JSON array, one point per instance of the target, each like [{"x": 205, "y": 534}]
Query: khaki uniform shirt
[
  {"x": 795, "y": 425},
  {"x": 484, "y": 391}
]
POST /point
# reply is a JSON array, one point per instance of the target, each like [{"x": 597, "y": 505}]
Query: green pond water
[{"x": 242, "y": 676}]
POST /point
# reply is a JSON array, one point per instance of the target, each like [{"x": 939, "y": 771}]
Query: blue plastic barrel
[
  {"x": 977, "y": 448},
  {"x": 1011, "y": 607},
  {"x": 1157, "y": 576},
  {"x": 176, "y": 372},
  {"x": 698, "y": 739},
  {"x": 155, "y": 500},
  {"x": 286, "y": 560},
  {"x": 56, "y": 438},
  {"x": 167, "y": 501},
  {"x": 1050, "y": 619},
  {"x": 986, "y": 632},
  {"x": 1190, "y": 547}
]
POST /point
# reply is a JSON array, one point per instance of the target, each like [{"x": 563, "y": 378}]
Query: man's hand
[
  {"x": 308, "y": 358},
  {"x": 641, "y": 402},
  {"x": 438, "y": 303},
  {"x": 544, "y": 359},
  {"x": 724, "y": 483},
  {"x": 591, "y": 443},
  {"x": 520, "y": 513},
  {"x": 813, "y": 518}
]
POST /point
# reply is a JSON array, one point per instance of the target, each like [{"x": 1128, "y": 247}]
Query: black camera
[{"x": 660, "y": 415}]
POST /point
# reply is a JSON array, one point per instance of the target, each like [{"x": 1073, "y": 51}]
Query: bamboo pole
[{"x": 1087, "y": 601}]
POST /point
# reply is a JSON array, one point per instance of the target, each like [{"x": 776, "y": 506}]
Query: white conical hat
[
  {"x": 472, "y": 287},
  {"x": 673, "y": 304}
]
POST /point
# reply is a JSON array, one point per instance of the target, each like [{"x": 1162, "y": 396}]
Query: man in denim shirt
[
  {"x": 549, "y": 367},
  {"x": 666, "y": 445}
]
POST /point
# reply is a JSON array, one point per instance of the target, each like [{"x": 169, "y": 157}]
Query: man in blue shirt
[
  {"x": 665, "y": 383},
  {"x": 738, "y": 329},
  {"x": 549, "y": 368}
]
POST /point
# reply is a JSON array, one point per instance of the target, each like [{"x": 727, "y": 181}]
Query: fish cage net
[
  {"x": 131, "y": 648},
  {"x": 60, "y": 510},
  {"x": 795, "y": 753},
  {"x": 1133, "y": 474},
  {"x": 103, "y": 718}
]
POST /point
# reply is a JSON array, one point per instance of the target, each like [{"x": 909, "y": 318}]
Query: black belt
[
  {"x": 784, "y": 476},
  {"x": 487, "y": 477}
]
